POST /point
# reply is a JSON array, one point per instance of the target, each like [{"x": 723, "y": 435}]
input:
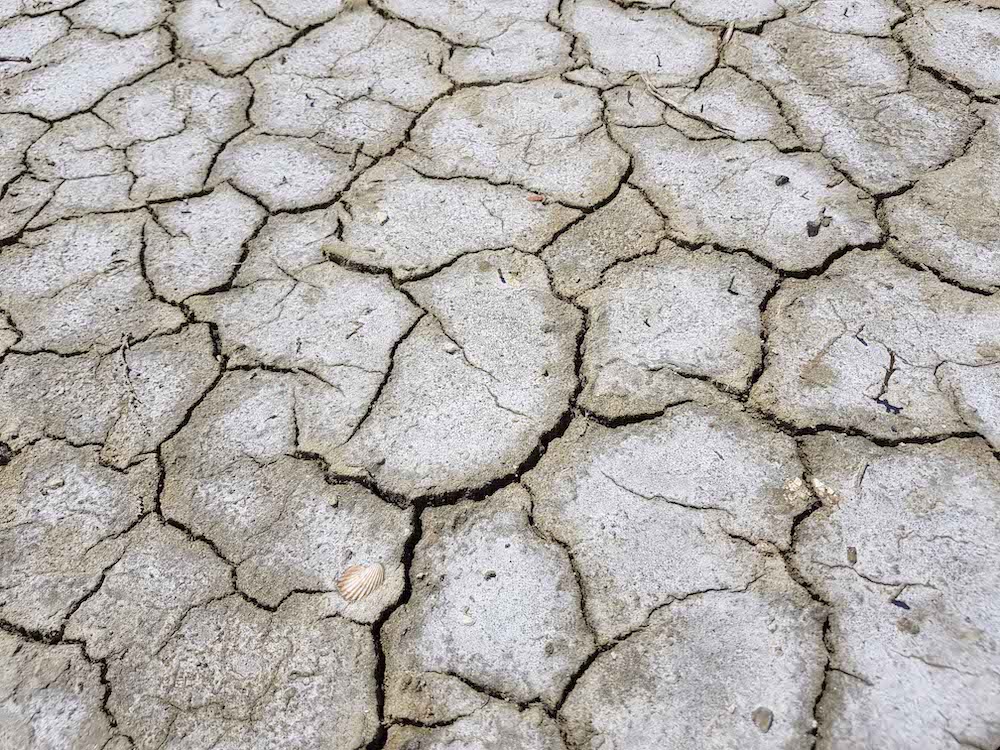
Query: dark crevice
[
  {"x": 221, "y": 147},
  {"x": 607, "y": 646},
  {"x": 233, "y": 567},
  {"x": 883, "y": 442},
  {"x": 761, "y": 365},
  {"x": 791, "y": 567},
  {"x": 623, "y": 420},
  {"x": 939, "y": 275},
  {"x": 570, "y": 557},
  {"x": 378, "y": 742},
  {"x": 387, "y": 155},
  {"x": 492, "y": 486},
  {"x": 587, "y": 211},
  {"x": 385, "y": 378}
]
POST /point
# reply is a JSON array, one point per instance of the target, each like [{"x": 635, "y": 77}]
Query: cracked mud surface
[{"x": 651, "y": 348}]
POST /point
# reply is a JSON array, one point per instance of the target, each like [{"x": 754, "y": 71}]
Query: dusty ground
[{"x": 653, "y": 349}]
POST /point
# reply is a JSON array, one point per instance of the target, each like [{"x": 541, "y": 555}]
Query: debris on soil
[
  {"x": 813, "y": 227},
  {"x": 358, "y": 581},
  {"x": 889, "y": 408},
  {"x": 762, "y": 717},
  {"x": 728, "y": 34}
]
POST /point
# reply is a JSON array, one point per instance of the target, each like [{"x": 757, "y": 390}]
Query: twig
[{"x": 708, "y": 123}]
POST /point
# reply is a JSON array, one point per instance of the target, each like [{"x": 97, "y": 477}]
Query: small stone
[
  {"x": 6, "y": 454},
  {"x": 812, "y": 228},
  {"x": 821, "y": 489},
  {"x": 782, "y": 180},
  {"x": 762, "y": 717},
  {"x": 772, "y": 626},
  {"x": 333, "y": 502},
  {"x": 489, "y": 574},
  {"x": 852, "y": 555}
]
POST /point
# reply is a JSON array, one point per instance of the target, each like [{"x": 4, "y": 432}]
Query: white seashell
[{"x": 358, "y": 581}]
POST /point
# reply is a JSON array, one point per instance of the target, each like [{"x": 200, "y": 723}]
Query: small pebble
[
  {"x": 852, "y": 555},
  {"x": 467, "y": 620},
  {"x": 782, "y": 180},
  {"x": 906, "y": 625},
  {"x": 762, "y": 717},
  {"x": 488, "y": 574}
]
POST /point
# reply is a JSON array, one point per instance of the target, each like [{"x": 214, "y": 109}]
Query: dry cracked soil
[{"x": 652, "y": 348}]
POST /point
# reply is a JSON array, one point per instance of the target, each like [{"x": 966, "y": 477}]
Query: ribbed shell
[{"x": 358, "y": 581}]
